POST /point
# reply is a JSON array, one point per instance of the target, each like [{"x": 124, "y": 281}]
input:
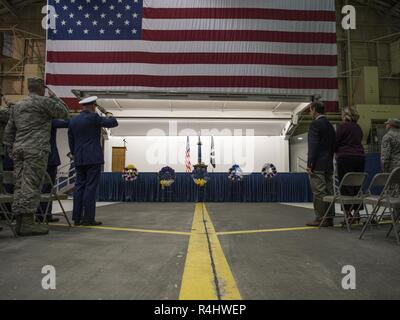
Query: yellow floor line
[
  {"x": 207, "y": 275},
  {"x": 223, "y": 233},
  {"x": 265, "y": 230},
  {"x": 127, "y": 229}
]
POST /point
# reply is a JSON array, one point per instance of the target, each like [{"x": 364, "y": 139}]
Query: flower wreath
[
  {"x": 235, "y": 173},
  {"x": 130, "y": 173},
  {"x": 166, "y": 176},
  {"x": 269, "y": 170},
  {"x": 200, "y": 175}
]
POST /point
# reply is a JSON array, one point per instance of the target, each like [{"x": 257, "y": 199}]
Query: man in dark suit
[
  {"x": 321, "y": 148},
  {"x": 52, "y": 165},
  {"x": 84, "y": 134}
]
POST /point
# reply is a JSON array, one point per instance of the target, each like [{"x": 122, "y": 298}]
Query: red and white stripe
[
  {"x": 283, "y": 47},
  {"x": 188, "y": 163}
]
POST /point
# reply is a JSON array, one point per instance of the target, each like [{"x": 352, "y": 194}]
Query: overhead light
[{"x": 299, "y": 138}]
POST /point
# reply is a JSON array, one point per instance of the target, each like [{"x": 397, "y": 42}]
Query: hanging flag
[
  {"x": 274, "y": 47},
  {"x": 212, "y": 153},
  {"x": 188, "y": 164}
]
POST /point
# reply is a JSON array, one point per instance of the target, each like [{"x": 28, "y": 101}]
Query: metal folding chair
[
  {"x": 50, "y": 197},
  {"x": 351, "y": 179},
  {"x": 375, "y": 200},
  {"x": 8, "y": 198},
  {"x": 389, "y": 199}
]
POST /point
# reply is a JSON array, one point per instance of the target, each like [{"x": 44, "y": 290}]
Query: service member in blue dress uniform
[
  {"x": 84, "y": 134},
  {"x": 52, "y": 164}
]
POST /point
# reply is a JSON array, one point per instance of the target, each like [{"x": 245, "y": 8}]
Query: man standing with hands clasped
[
  {"x": 321, "y": 148},
  {"x": 84, "y": 136}
]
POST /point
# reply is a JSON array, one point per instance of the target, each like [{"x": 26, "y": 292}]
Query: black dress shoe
[
  {"x": 92, "y": 223},
  {"x": 77, "y": 223}
]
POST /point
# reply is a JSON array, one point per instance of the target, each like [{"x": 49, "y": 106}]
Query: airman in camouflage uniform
[
  {"x": 28, "y": 134},
  {"x": 4, "y": 115},
  {"x": 390, "y": 152}
]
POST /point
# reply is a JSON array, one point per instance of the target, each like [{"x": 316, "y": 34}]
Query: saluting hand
[{"x": 51, "y": 92}]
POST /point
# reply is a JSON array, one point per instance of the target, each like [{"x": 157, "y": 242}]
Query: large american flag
[{"x": 278, "y": 47}]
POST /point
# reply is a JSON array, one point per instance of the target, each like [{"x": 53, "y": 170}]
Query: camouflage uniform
[
  {"x": 28, "y": 133},
  {"x": 4, "y": 115},
  {"x": 390, "y": 153}
]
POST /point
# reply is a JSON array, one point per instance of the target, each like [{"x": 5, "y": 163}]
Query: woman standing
[{"x": 350, "y": 155}]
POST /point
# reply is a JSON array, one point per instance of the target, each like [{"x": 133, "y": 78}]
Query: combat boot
[{"x": 26, "y": 226}]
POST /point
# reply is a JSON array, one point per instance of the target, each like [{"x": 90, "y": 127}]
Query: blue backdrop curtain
[{"x": 285, "y": 187}]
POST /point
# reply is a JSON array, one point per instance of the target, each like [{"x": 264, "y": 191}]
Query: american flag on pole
[
  {"x": 188, "y": 164},
  {"x": 278, "y": 47}
]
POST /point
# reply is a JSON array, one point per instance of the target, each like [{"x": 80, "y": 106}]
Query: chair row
[
  {"x": 6, "y": 200},
  {"x": 388, "y": 199}
]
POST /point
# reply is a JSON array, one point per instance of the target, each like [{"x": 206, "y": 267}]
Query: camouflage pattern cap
[
  {"x": 393, "y": 122},
  {"x": 35, "y": 82}
]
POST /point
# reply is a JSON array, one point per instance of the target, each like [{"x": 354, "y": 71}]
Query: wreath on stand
[
  {"x": 130, "y": 173},
  {"x": 200, "y": 175},
  {"x": 167, "y": 177},
  {"x": 269, "y": 171},
  {"x": 235, "y": 173}
]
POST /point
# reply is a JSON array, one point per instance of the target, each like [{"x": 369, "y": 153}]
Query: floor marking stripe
[
  {"x": 126, "y": 229},
  {"x": 223, "y": 233},
  {"x": 206, "y": 275}
]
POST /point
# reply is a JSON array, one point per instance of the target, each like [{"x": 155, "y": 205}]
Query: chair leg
[
  {"x": 64, "y": 213},
  {"x": 393, "y": 226},
  {"x": 47, "y": 212},
  {"x": 9, "y": 221},
  {"x": 346, "y": 217},
  {"x": 368, "y": 222},
  {"x": 382, "y": 214},
  {"x": 326, "y": 213}
]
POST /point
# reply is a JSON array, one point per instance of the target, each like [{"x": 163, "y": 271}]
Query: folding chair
[
  {"x": 50, "y": 197},
  {"x": 389, "y": 200},
  {"x": 378, "y": 181},
  {"x": 351, "y": 179},
  {"x": 8, "y": 198}
]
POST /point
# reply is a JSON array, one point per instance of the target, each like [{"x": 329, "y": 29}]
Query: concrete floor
[{"x": 142, "y": 255}]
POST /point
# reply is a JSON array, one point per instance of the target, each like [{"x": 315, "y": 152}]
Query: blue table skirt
[{"x": 285, "y": 187}]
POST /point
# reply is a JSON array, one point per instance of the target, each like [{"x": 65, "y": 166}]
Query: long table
[{"x": 285, "y": 187}]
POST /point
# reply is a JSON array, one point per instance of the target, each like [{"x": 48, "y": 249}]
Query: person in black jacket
[{"x": 321, "y": 148}]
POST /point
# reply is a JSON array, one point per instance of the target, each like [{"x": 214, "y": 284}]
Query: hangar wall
[{"x": 150, "y": 154}]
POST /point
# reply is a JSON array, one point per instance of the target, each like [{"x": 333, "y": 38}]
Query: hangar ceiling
[{"x": 385, "y": 7}]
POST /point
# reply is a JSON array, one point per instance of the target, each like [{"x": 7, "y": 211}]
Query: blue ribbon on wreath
[
  {"x": 167, "y": 176},
  {"x": 235, "y": 173}
]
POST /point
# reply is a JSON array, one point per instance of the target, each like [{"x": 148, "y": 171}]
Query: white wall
[
  {"x": 298, "y": 149},
  {"x": 150, "y": 154},
  {"x": 63, "y": 147}
]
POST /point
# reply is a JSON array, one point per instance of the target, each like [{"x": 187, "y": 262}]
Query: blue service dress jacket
[{"x": 84, "y": 134}]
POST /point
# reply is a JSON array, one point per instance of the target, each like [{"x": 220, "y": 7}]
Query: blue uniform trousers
[{"x": 87, "y": 181}]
